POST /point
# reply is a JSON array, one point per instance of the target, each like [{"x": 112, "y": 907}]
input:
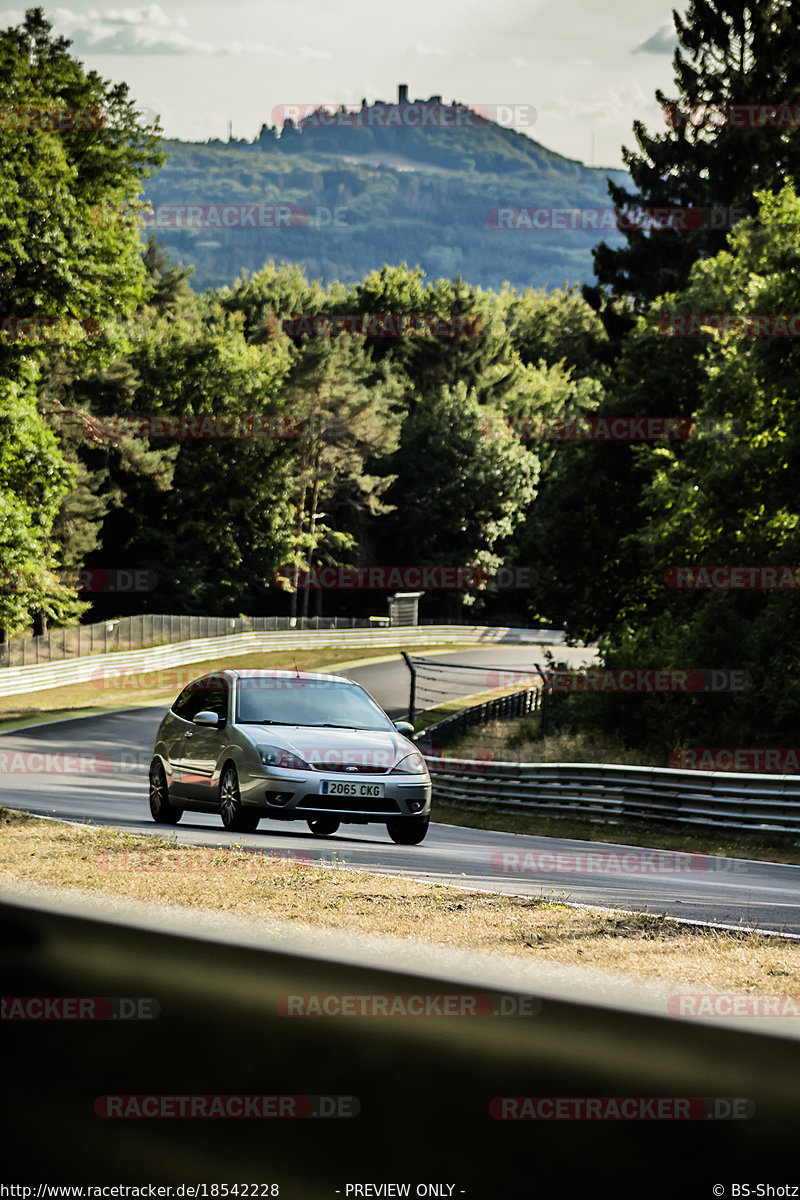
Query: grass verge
[
  {"x": 519, "y": 740},
  {"x": 265, "y": 887}
]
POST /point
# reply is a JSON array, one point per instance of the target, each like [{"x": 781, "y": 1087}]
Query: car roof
[{"x": 258, "y": 673}]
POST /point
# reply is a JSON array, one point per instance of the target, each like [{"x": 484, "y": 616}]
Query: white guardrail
[
  {"x": 100, "y": 667},
  {"x": 608, "y": 794}
]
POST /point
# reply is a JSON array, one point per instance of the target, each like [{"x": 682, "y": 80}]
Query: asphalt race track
[{"x": 105, "y": 782}]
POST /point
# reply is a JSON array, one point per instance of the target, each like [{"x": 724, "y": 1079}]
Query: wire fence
[
  {"x": 519, "y": 704},
  {"x": 438, "y": 682},
  {"x": 153, "y": 629}
]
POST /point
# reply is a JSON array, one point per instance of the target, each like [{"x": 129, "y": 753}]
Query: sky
[{"x": 573, "y": 74}]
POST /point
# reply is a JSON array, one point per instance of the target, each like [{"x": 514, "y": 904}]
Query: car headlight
[
  {"x": 412, "y": 764},
  {"x": 276, "y": 756}
]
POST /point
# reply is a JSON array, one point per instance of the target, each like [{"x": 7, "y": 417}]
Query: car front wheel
[
  {"x": 408, "y": 832},
  {"x": 235, "y": 817},
  {"x": 322, "y": 826},
  {"x": 162, "y": 812}
]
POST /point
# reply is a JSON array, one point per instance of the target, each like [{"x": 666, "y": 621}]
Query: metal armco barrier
[
  {"x": 609, "y": 794},
  {"x": 14, "y": 680},
  {"x": 424, "y": 1085}
]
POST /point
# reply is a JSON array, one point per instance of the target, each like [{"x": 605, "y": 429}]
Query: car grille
[
  {"x": 350, "y": 768},
  {"x": 356, "y": 804}
]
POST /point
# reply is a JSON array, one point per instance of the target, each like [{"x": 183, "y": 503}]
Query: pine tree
[{"x": 713, "y": 154}]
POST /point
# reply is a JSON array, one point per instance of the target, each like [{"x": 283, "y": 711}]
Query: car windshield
[{"x": 295, "y": 700}]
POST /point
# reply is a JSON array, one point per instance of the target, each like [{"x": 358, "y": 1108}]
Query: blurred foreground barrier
[{"x": 426, "y": 1096}]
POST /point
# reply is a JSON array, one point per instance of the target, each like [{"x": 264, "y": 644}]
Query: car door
[
  {"x": 189, "y": 702},
  {"x": 203, "y": 745}
]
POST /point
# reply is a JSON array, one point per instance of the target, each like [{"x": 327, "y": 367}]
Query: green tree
[
  {"x": 168, "y": 288},
  {"x": 219, "y": 525},
  {"x": 731, "y": 52},
  {"x": 471, "y": 346},
  {"x": 69, "y": 242},
  {"x": 554, "y": 327},
  {"x": 350, "y": 416},
  {"x": 72, "y": 156},
  {"x": 74, "y": 392},
  {"x": 33, "y": 479},
  {"x": 463, "y": 484},
  {"x": 727, "y": 497},
  {"x": 272, "y": 294}
]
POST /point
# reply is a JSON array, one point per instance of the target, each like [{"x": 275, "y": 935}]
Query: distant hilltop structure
[{"x": 292, "y": 119}]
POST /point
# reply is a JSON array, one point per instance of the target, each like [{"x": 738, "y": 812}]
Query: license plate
[{"x": 340, "y": 787}]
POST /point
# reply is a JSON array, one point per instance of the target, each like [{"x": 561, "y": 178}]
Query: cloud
[
  {"x": 614, "y": 105},
  {"x": 663, "y": 42},
  {"x": 153, "y": 14},
  {"x": 427, "y": 51},
  {"x": 148, "y": 29}
]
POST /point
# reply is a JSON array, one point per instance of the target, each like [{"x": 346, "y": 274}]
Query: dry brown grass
[
  {"x": 518, "y": 740},
  {"x": 252, "y": 885}
]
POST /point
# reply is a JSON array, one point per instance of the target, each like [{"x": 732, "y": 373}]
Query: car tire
[
  {"x": 323, "y": 826},
  {"x": 235, "y": 817},
  {"x": 409, "y": 831},
  {"x": 162, "y": 812}
]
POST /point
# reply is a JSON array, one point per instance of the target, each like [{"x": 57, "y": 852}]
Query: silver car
[{"x": 288, "y": 745}]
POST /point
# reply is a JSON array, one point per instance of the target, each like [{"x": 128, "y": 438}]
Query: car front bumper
[{"x": 291, "y": 795}]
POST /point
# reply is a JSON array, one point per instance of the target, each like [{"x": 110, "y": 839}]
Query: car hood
[{"x": 375, "y": 750}]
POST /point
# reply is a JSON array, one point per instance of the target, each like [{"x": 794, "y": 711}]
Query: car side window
[
  {"x": 184, "y": 702},
  {"x": 205, "y": 695},
  {"x": 216, "y": 699}
]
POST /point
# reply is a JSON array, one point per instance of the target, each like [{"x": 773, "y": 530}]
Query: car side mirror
[
  {"x": 206, "y": 718},
  {"x": 404, "y": 727}
]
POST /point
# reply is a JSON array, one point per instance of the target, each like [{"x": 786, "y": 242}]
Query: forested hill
[{"x": 370, "y": 193}]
